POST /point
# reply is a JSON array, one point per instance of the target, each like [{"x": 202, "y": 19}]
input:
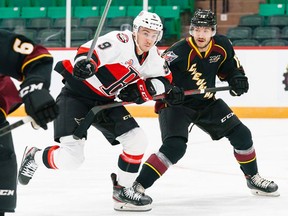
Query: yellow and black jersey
[
  {"x": 192, "y": 69},
  {"x": 19, "y": 57}
]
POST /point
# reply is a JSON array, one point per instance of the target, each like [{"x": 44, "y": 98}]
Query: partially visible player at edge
[
  {"x": 31, "y": 64},
  {"x": 123, "y": 61},
  {"x": 195, "y": 62}
]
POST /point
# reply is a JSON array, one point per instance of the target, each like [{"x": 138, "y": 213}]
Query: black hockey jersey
[
  {"x": 19, "y": 55},
  {"x": 194, "y": 70},
  {"x": 20, "y": 58}
]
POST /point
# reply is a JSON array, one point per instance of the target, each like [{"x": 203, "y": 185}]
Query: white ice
[{"x": 206, "y": 181}]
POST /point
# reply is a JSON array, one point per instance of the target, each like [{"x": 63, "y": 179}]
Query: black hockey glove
[
  {"x": 39, "y": 104},
  {"x": 174, "y": 96},
  {"x": 239, "y": 85},
  {"x": 84, "y": 69},
  {"x": 138, "y": 92}
]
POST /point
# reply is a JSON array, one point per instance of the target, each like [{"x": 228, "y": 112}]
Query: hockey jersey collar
[{"x": 192, "y": 44}]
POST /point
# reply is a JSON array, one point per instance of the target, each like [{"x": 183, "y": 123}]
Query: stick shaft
[
  {"x": 99, "y": 29},
  {"x": 9, "y": 128},
  {"x": 86, "y": 123},
  {"x": 197, "y": 91}
]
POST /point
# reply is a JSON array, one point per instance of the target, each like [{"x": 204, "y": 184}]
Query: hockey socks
[{"x": 155, "y": 166}]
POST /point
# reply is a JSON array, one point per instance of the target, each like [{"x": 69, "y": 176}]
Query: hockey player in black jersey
[
  {"x": 31, "y": 64},
  {"x": 195, "y": 62}
]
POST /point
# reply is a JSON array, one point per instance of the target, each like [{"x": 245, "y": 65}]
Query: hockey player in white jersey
[{"x": 126, "y": 64}]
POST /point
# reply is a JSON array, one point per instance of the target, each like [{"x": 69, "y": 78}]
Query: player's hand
[
  {"x": 174, "y": 96},
  {"x": 84, "y": 69},
  {"x": 138, "y": 93},
  {"x": 39, "y": 104},
  {"x": 239, "y": 85}
]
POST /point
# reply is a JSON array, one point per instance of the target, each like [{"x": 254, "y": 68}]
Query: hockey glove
[
  {"x": 138, "y": 92},
  {"x": 39, "y": 104},
  {"x": 239, "y": 85},
  {"x": 174, "y": 96},
  {"x": 84, "y": 69}
]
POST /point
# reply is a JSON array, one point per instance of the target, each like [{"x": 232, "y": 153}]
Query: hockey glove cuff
[
  {"x": 239, "y": 85},
  {"x": 138, "y": 92},
  {"x": 39, "y": 104}
]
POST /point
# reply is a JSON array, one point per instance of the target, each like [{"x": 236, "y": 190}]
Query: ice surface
[{"x": 207, "y": 181}]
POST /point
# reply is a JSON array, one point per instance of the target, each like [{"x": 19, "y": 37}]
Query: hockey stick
[
  {"x": 99, "y": 28},
  {"x": 197, "y": 91},
  {"x": 86, "y": 123},
  {"x": 9, "y": 128}
]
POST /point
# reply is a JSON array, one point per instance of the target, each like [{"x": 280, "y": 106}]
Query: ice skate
[
  {"x": 28, "y": 166},
  {"x": 130, "y": 199},
  {"x": 261, "y": 186}
]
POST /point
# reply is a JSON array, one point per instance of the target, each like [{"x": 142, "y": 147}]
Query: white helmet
[{"x": 148, "y": 20}]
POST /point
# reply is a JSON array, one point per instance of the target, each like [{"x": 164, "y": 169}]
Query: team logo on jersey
[
  {"x": 214, "y": 59},
  {"x": 122, "y": 37},
  {"x": 129, "y": 62},
  {"x": 169, "y": 56}
]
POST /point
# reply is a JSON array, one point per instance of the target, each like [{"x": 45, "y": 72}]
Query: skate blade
[
  {"x": 120, "y": 206},
  {"x": 261, "y": 193}
]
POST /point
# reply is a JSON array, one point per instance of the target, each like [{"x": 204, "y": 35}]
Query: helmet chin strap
[{"x": 137, "y": 45}]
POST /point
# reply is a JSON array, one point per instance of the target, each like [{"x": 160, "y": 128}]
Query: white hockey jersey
[{"x": 119, "y": 66}]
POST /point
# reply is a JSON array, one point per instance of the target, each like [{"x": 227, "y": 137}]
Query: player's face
[
  {"x": 146, "y": 38},
  {"x": 202, "y": 37}
]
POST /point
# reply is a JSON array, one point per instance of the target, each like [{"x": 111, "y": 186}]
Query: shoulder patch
[
  {"x": 122, "y": 37},
  {"x": 169, "y": 56}
]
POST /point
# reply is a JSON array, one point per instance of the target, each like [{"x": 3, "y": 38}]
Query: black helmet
[{"x": 205, "y": 18}]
